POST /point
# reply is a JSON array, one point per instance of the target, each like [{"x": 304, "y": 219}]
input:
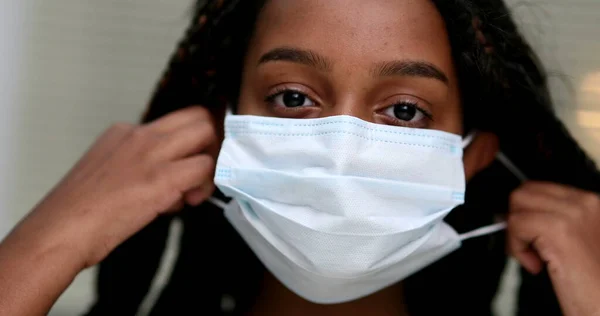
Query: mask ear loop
[
  {"x": 216, "y": 202},
  {"x": 486, "y": 230},
  {"x": 503, "y": 159},
  {"x": 500, "y": 156},
  {"x": 213, "y": 200},
  {"x": 229, "y": 109},
  {"x": 511, "y": 166},
  {"x": 468, "y": 139}
]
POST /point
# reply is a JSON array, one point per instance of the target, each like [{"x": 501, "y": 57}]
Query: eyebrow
[
  {"x": 296, "y": 55},
  {"x": 409, "y": 68},
  {"x": 310, "y": 58}
]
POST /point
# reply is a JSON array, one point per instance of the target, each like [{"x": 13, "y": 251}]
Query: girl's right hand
[
  {"x": 556, "y": 227},
  {"x": 131, "y": 175}
]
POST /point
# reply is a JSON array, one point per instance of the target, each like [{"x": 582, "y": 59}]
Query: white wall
[
  {"x": 69, "y": 68},
  {"x": 10, "y": 50},
  {"x": 565, "y": 35}
]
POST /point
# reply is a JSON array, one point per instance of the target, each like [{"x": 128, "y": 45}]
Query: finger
[
  {"x": 532, "y": 238},
  {"x": 177, "y": 119},
  {"x": 198, "y": 195},
  {"x": 549, "y": 188},
  {"x": 520, "y": 243},
  {"x": 527, "y": 200},
  {"x": 526, "y": 256},
  {"x": 189, "y": 173},
  {"x": 179, "y": 205},
  {"x": 191, "y": 139}
]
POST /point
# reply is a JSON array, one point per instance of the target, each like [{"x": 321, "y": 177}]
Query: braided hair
[
  {"x": 504, "y": 90},
  {"x": 504, "y": 87}
]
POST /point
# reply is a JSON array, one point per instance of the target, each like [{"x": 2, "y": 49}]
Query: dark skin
[
  {"x": 384, "y": 61},
  {"x": 347, "y": 78},
  {"x": 311, "y": 59}
]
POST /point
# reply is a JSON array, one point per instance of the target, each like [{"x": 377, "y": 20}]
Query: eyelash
[
  {"x": 270, "y": 99},
  {"x": 280, "y": 90},
  {"x": 391, "y": 119},
  {"x": 426, "y": 113}
]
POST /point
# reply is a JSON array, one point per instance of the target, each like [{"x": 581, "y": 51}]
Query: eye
[
  {"x": 407, "y": 113},
  {"x": 290, "y": 99}
]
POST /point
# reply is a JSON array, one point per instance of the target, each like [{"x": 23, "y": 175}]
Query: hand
[
  {"x": 557, "y": 226},
  {"x": 131, "y": 175}
]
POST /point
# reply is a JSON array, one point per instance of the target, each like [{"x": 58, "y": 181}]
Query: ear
[{"x": 480, "y": 153}]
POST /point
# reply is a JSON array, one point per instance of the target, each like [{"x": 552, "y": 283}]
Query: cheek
[
  {"x": 250, "y": 103},
  {"x": 449, "y": 119},
  {"x": 453, "y": 114},
  {"x": 244, "y": 108},
  {"x": 247, "y": 104},
  {"x": 455, "y": 124}
]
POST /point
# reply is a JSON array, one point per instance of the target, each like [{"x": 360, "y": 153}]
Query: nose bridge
[{"x": 349, "y": 102}]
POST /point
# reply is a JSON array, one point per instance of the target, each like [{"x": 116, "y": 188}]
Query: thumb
[
  {"x": 525, "y": 255},
  {"x": 525, "y": 231}
]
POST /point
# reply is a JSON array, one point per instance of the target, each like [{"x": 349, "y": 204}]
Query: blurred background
[{"x": 70, "y": 68}]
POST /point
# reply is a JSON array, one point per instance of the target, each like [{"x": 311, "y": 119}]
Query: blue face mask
[{"x": 338, "y": 208}]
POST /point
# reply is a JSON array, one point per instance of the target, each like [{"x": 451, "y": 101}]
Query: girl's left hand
[{"x": 558, "y": 227}]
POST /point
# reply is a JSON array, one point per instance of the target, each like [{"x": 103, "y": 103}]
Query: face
[{"x": 384, "y": 61}]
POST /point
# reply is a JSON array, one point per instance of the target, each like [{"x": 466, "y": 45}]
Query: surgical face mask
[{"x": 338, "y": 208}]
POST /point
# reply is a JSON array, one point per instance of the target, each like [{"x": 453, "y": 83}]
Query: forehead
[{"x": 356, "y": 30}]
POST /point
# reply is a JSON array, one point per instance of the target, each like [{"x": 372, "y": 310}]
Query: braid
[
  {"x": 504, "y": 90},
  {"x": 206, "y": 66},
  {"x": 522, "y": 114}
]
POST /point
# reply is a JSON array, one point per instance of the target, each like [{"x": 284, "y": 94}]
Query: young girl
[{"x": 342, "y": 154}]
